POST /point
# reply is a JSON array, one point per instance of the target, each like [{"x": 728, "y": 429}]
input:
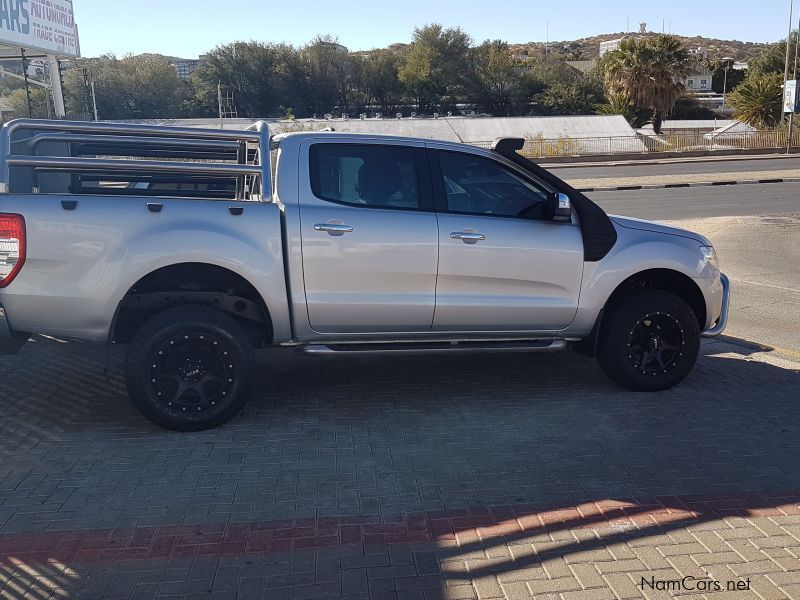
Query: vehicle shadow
[{"x": 508, "y": 450}]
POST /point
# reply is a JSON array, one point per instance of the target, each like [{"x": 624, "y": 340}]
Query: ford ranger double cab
[{"x": 194, "y": 247}]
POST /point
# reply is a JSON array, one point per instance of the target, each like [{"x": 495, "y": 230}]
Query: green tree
[
  {"x": 493, "y": 80},
  {"x": 758, "y": 99},
  {"x": 331, "y": 74},
  {"x": 381, "y": 80},
  {"x": 619, "y": 105},
  {"x": 688, "y": 107},
  {"x": 569, "y": 99},
  {"x": 265, "y": 79},
  {"x": 772, "y": 59},
  {"x": 551, "y": 70},
  {"x": 647, "y": 74},
  {"x": 720, "y": 81},
  {"x": 40, "y": 103},
  {"x": 132, "y": 87},
  {"x": 435, "y": 66}
]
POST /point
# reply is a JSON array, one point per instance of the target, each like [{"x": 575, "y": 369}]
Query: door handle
[
  {"x": 333, "y": 228},
  {"x": 468, "y": 237}
]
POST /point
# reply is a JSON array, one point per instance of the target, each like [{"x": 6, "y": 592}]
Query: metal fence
[{"x": 666, "y": 142}]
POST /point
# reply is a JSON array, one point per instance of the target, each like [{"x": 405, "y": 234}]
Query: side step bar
[{"x": 435, "y": 348}]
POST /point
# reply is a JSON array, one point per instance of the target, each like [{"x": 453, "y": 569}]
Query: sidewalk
[{"x": 683, "y": 180}]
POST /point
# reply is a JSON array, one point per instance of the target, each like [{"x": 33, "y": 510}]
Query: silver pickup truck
[{"x": 194, "y": 247}]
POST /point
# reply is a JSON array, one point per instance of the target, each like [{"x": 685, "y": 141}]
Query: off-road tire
[
  {"x": 189, "y": 368},
  {"x": 637, "y": 336}
]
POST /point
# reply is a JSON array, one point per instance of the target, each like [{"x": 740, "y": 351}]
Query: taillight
[{"x": 12, "y": 247}]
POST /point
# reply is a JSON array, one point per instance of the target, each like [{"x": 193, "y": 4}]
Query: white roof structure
[
  {"x": 735, "y": 126},
  {"x": 582, "y": 131},
  {"x": 692, "y": 124}
]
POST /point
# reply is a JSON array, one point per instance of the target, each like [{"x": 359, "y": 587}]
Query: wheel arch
[
  {"x": 665, "y": 279},
  {"x": 192, "y": 283}
]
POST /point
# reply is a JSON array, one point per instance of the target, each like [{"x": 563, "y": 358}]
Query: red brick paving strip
[{"x": 217, "y": 540}]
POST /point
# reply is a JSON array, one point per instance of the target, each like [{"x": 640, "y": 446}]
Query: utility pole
[
  {"x": 219, "y": 101},
  {"x": 27, "y": 84},
  {"x": 94, "y": 102},
  {"x": 547, "y": 38},
  {"x": 86, "y": 88},
  {"x": 788, "y": 47},
  {"x": 88, "y": 82}
]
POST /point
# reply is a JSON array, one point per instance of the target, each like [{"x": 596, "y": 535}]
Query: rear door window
[{"x": 379, "y": 176}]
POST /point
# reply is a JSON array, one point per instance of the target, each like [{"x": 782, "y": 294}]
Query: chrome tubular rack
[{"x": 134, "y": 153}]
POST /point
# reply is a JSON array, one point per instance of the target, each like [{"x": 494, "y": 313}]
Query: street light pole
[
  {"x": 791, "y": 114},
  {"x": 728, "y": 61},
  {"x": 725, "y": 86}
]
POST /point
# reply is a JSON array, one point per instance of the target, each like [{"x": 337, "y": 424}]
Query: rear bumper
[
  {"x": 722, "y": 322},
  {"x": 10, "y": 341}
]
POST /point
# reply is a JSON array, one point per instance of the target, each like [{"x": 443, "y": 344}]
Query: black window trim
[
  {"x": 421, "y": 165},
  {"x": 440, "y": 194}
]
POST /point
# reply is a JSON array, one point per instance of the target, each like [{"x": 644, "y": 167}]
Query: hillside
[{"x": 589, "y": 48}]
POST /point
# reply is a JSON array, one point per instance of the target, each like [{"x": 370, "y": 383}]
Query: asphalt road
[
  {"x": 676, "y": 168},
  {"x": 704, "y": 201},
  {"x": 756, "y": 231}
]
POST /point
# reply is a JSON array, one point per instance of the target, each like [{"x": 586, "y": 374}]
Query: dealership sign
[
  {"x": 791, "y": 99},
  {"x": 46, "y": 25}
]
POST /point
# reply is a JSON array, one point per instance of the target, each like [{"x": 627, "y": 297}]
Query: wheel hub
[
  {"x": 192, "y": 372},
  {"x": 656, "y": 343}
]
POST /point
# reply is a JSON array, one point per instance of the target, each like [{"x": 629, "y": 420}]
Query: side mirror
[{"x": 563, "y": 208}]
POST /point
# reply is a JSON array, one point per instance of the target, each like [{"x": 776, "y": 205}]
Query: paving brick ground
[{"x": 433, "y": 478}]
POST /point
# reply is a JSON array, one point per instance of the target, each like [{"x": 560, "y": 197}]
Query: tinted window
[
  {"x": 380, "y": 176},
  {"x": 478, "y": 185}
]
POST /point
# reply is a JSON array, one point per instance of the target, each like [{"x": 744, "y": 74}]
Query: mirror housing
[{"x": 563, "y": 208}]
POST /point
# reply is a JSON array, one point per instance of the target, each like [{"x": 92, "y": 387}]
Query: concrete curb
[
  {"x": 646, "y": 186},
  {"x": 656, "y": 156},
  {"x": 660, "y": 160}
]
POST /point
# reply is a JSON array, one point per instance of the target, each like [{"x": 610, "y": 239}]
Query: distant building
[
  {"x": 584, "y": 66},
  {"x": 186, "y": 66},
  {"x": 611, "y": 45},
  {"x": 334, "y": 46},
  {"x": 699, "y": 80},
  {"x": 398, "y": 47}
]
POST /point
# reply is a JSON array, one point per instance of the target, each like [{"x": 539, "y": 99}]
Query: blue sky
[{"x": 187, "y": 28}]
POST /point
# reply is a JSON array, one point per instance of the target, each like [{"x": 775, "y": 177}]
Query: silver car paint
[
  {"x": 81, "y": 263},
  {"x": 525, "y": 276},
  {"x": 381, "y": 277}
]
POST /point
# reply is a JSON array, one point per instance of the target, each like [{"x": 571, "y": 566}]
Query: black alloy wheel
[
  {"x": 656, "y": 343},
  {"x": 188, "y": 368},
  {"x": 649, "y": 340}
]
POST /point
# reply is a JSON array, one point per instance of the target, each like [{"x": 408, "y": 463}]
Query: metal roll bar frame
[{"x": 171, "y": 141}]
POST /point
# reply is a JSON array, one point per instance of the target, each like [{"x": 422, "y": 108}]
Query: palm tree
[
  {"x": 758, "y": 99},
  {"x": 618, "y": 105},
  {"x": 647, "y": 73}
]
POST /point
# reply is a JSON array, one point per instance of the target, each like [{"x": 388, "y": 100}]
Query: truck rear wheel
[
  {"x": 188, "y": 368},
  {"x": 649, "y": 340}
]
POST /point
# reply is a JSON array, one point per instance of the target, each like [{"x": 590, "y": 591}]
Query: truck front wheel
[
  {"x": 649, "y": 340},
  {"x": 188, "y": 368}
]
